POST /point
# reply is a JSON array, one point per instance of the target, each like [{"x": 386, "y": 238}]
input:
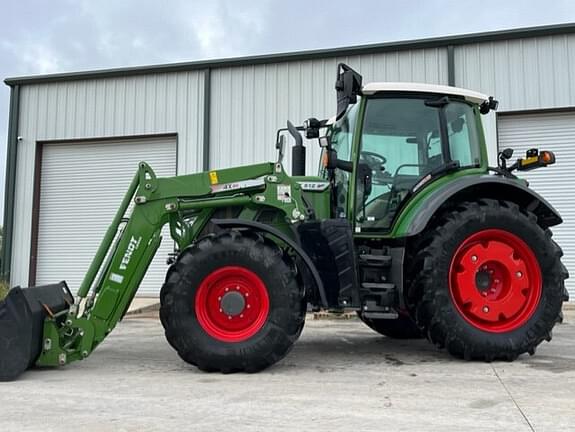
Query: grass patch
[{"x": 3, "y": 289}]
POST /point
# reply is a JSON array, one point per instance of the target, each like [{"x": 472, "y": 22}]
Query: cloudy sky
[{"x": 40, "y": 36}]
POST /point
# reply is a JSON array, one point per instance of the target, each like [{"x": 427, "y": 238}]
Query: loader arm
[{"x": 186, "y": 203}]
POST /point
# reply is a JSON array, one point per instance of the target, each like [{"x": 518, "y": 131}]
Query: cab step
[
  {"x": 370, "y": 260},
  {"x": 371, "y": 310}
]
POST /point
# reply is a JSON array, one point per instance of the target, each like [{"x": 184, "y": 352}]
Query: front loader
[{"x": 406, "y": 224}]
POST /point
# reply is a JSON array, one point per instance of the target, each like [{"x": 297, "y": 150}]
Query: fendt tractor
[{"x": 405, "y": 223}]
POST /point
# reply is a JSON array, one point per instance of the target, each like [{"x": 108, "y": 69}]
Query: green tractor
[{"x": 406, "y": 224}]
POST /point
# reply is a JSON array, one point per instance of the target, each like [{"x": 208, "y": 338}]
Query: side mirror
[{"x": 348, "y": 86}]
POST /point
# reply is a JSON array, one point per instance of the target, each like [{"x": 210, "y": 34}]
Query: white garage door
[
  {"x": 555, "y": 132},
  {"x": 82, "y": 185}
]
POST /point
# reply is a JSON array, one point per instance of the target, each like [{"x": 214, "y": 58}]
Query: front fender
[
  {"x": 415, "y": 216},
  {"x": 261, "y": 227}
]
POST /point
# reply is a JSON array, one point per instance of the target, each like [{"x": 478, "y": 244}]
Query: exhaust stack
[{"x": 297, "y": 152}]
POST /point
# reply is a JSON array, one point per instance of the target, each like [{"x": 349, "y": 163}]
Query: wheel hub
[
  {"x": 483, "y": 281},
  {"x": 495, "y": 280},
  {"x": 232, "y": 304}
]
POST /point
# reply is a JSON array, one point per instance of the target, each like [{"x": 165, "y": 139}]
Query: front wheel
[
  {"x": 491, "y": 282},
  {"x": 232, "y": 303}
]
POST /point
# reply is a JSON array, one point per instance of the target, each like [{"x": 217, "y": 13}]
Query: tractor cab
[{"x": 396, "y": 138}]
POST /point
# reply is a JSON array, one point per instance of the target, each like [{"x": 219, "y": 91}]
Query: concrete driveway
[{"x": 340, "y": 376}]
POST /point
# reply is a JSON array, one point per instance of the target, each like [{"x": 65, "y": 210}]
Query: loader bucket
[{"x": 22, "y": 315}]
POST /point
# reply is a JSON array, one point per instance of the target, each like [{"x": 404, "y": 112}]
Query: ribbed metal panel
[
  {"x": 555, "y": 132},
  {"x": 115, "y": 107},
  {"x": 82, "y": 186},
  {"x": 249, "y": 103},
  {"x": 531, "y": 73}
]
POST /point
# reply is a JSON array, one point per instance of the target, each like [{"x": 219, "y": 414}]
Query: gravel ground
[{"x": 339, "y": 376}]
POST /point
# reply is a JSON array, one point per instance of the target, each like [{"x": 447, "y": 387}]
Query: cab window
[{"x": 402, "y": 141}]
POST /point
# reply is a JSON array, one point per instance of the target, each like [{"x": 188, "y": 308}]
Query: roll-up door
[{"x": 81, "y": 187}]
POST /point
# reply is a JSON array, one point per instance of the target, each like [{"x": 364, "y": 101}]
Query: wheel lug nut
[
  {"x": 227, "y": 289},
  {"x": 221, "y": 310},
  {"x": 474, "y": 258},
  {"x": 249, "y": 306},
  {"x": 219, "y": 298},
  {"x": 229, "y": 317},
  {"x": 241, "y": 315},
  {"x": 519, "y": 274},
  {"x": 247, "y": 294},
  {"x": 485, "y": 309}
]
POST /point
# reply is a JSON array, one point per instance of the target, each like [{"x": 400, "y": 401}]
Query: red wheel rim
[
  {"x": 232, "y": 304},
  {"x": 495, "y": 281}
]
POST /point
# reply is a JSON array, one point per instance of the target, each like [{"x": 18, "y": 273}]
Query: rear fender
[{"x": 470, "y": 188}]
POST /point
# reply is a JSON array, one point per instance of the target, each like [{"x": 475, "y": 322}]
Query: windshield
[{"x": 402, "y": 141}]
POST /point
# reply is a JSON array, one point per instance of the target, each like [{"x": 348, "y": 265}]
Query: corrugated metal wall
[
  {"x": 249, "y": 103},
  {"x": 114, "y": 107},
  {"x": 532, "y": 73}
]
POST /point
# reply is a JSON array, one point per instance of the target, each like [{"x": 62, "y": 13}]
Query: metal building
[{"x": 74, "y": 139}]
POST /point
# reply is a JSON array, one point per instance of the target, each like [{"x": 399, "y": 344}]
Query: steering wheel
[
  {"x": 374, "y": 160},
  {"x": 376, "y": 163}
]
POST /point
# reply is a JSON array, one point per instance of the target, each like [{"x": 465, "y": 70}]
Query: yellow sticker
[
  {"x": 529, "y": 161},
  {"x": 213, "y": 177}
]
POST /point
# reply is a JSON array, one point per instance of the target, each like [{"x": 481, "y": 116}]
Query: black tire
[
  {"x": 285, "y": 317},
  {"x": 401, "y": 328},
  {"x": 436, "y": 312}
]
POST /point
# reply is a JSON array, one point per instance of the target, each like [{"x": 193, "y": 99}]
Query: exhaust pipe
[
  {"x": 22, "y": 315},
  {"x": 297, "y": 152}
]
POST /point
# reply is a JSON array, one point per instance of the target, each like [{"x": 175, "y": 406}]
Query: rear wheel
[
  {"x": 401, "y": 328},
  {"x": 232, "y": 303},
  {"x": 491, "y": 282}
]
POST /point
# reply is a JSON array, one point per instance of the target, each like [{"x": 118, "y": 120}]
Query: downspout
[
  {"x": 451, "y": 65},
  {"x": 207, "y": 112},
  {"x": 10, "y": 186}
]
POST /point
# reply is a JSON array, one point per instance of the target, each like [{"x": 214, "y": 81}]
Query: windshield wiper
[{"x": 437, "y": 103}]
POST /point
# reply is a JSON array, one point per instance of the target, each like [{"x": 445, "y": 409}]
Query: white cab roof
[{"x": 470, "y": 95}]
